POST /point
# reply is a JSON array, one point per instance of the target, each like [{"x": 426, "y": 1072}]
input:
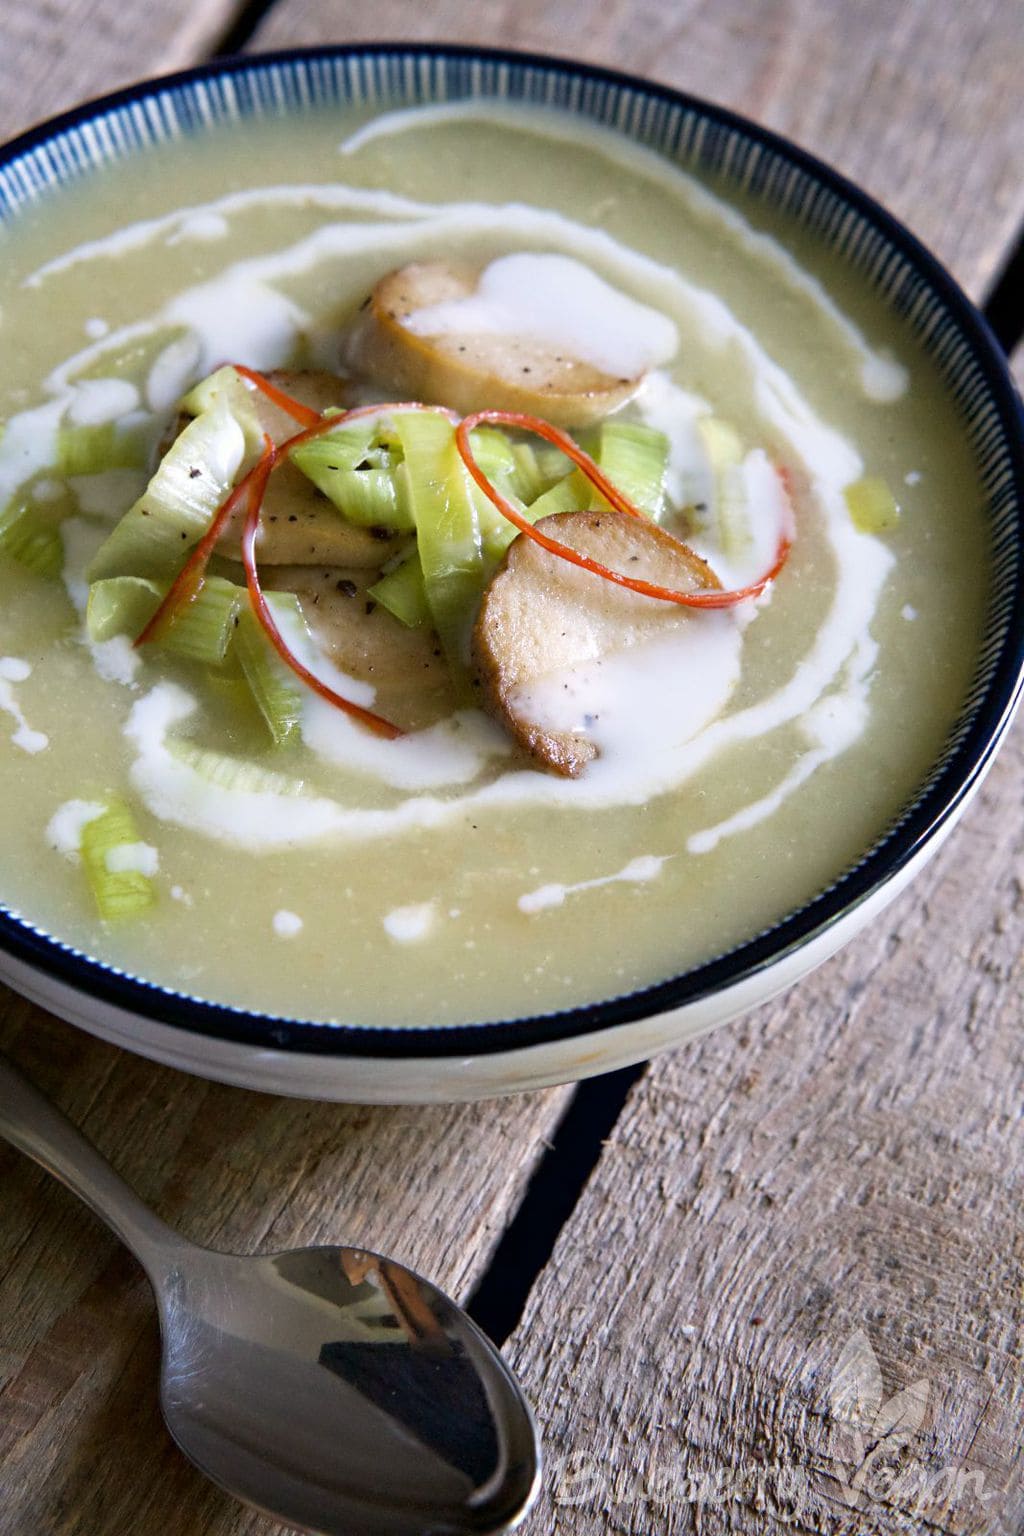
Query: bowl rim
[{"x": 913, "y": 829}]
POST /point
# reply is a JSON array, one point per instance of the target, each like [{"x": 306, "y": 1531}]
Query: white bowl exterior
[{"x": 454, "y": 1079}]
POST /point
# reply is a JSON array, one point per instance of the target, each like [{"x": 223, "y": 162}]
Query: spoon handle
[{"x": 36, "y": 1127}]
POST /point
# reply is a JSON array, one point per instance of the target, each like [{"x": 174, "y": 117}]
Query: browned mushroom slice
[
  {"x": 473, "y": 371},
  {"x": 300, "y": 526},
  {"x": 405, "y": 666},
  {"x": 541, "y": 614}
]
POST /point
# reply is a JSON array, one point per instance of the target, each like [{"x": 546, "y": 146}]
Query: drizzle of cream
[
  {"x": 202, "y": 226},
  {"x": 115, "y": 659},
  {"x": 554, "y": 300},
  {"x": 14, "y": 670},
  {"x": 133, "y": 858},
  {"x": 173, "y": 371},
  {"x": 65, "y": 827},
  {"x": 287, "y": 924},
  {"x": 99, "y": 401},
  {"x": 637, "y": 871},
  {"x": 412, "y": 924}
]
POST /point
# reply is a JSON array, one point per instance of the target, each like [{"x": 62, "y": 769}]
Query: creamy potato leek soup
[{"x": 554, "y": 788}]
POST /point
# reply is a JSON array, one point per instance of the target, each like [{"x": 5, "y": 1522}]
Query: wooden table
[{"x": 789, "y": 1293}]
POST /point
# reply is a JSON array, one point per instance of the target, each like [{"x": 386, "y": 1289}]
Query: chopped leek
[
  {"x": 530, "y": 480},
  {"x": 195, "y": 475},
  {"x": 121, "y": 605},
  {"x": 91, "y": 450},
  {"x": 872, "y": 505},
  {"x": 273, "y": 686},
  {"x": 447, "y": 529},
  {"x": 204, "y": 628},
  {"x": 573, "y": 493},
  {"x": 360, "y": 474},
  {"x": 402, "y": 591},
  {"x": 234, "y": 773},
  {"x": 119, "y": 891},
  {"x": 30, "y": 534},
  {"x": 731, "y": 509},
  {"x": 227, "y": 389},
  {"x": 635, "y": 458},
  {"x": 201, "y": 631}
]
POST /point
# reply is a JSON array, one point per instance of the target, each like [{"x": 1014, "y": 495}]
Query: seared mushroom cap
[
  {"x": 473, "y": 371},
  {"x": 541, "y": 614}
]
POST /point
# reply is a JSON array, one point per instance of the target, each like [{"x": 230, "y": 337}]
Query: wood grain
[
  {"x": 847, "y": 1159},
  {"x": 56, "y": 53},
  {"x": 916, "y": 101},
  {"x": 230, "y": 1169}
]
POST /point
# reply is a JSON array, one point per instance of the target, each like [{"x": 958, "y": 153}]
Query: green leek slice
[
  {"x": 402, "y": 591},
  {"x": 635, "y": 458},
  {"x": 202, "y": 631},
  {"x": 227, "y": 390},
  {"x": 234, "y": 773},
  {"x": 872, "y": 505},
  {"x": 30, "y": 534},
  {"x": 118, "y": 893},
  {"x": 90, "y": 450},
  {"x": 156, "y": 535},
  {"x": 731, "y": 509},
  {"x": 447, "y": 528},
  {"x": 274, "y": 687},
  {"x": 355, "y": 468}
]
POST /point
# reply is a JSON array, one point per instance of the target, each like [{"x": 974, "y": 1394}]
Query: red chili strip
[
  {"x": 621, "y": 503},
  {"x": 188, "y": 583},
  {"x": 266, "y": 618},
  {"x": 303, "y": 414}
]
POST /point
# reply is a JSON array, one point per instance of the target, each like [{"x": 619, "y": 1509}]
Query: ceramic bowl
[{"x": 318, "y": 1060}]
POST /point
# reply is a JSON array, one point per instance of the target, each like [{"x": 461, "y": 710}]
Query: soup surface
[{"x": 745, "y": 758}]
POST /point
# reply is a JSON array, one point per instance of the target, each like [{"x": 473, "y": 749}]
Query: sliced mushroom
[
  {"x": 300, "y": 526},
  {"x": 541, "y": 614},
  {"x": 406, "y": 666},
  {"x": 473, "y": 371}
]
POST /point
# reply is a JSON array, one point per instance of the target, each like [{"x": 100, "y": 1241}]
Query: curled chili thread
[
  {"x": 247, "y": 498},
  {"x": 583, "y": 461}
]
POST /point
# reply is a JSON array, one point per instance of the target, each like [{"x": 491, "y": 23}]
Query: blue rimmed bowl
[{"x": 320, "y": 1060}]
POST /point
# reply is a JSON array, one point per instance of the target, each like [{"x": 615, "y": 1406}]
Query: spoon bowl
[{"x": 331, "y": 1388}]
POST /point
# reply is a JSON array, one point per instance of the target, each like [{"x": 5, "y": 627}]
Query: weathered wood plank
[
  {"x": 80, "y": 1433},
  {"x": 845, "y": 1159},
  {"x": 871, "y": 86},
  {"x": 58, "y": 53}
]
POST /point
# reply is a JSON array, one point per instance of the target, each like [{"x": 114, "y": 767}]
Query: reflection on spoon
[{"x": 330, "y": 1387}]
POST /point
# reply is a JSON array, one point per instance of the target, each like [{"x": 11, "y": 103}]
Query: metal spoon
[{"x": 329, "y": 1387}]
